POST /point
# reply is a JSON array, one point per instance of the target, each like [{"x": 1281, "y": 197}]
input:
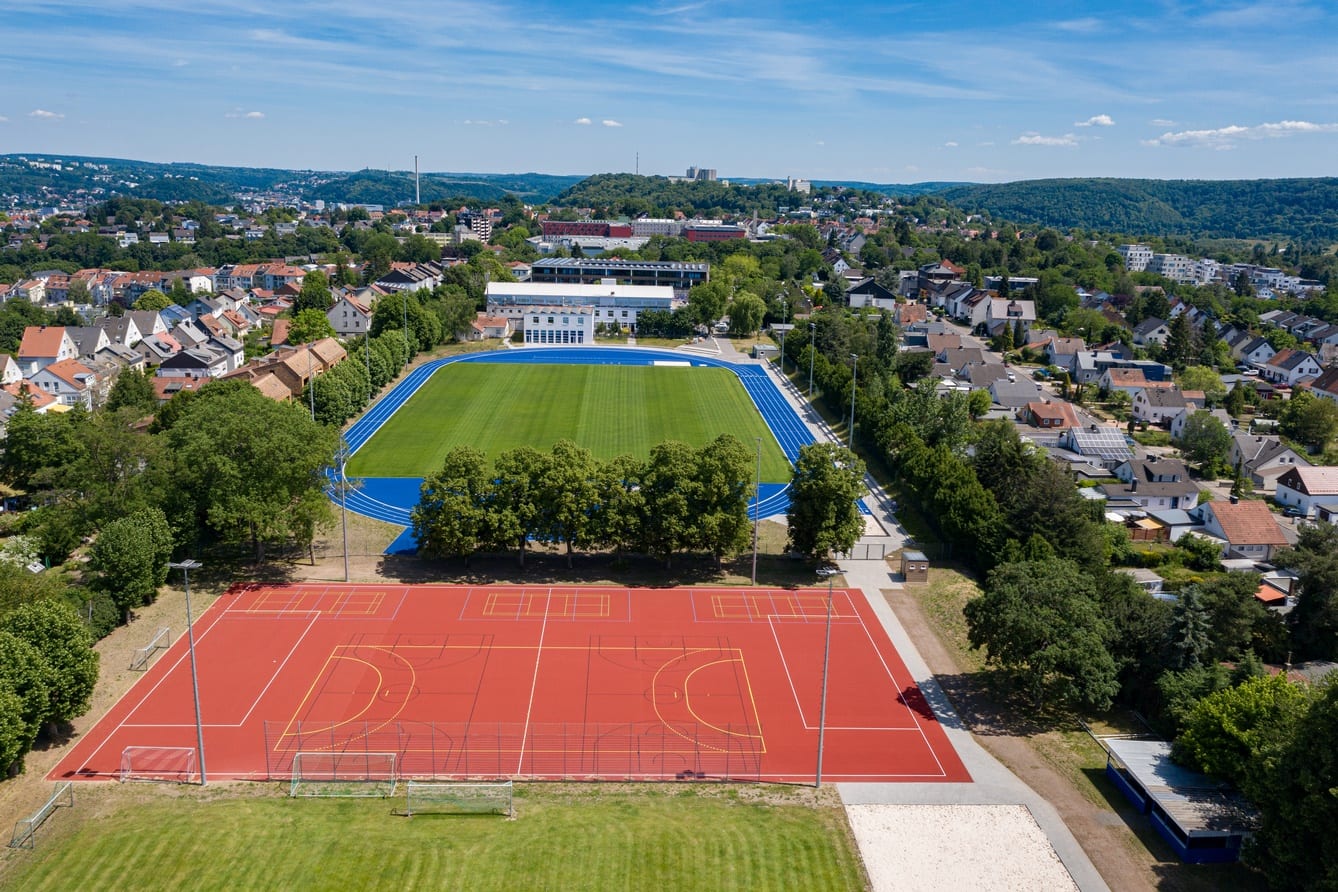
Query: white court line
[
  {"x": 534, "y": 682},
  {"x": 274, "y": 676}
]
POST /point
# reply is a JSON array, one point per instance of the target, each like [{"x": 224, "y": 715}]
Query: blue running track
[{"x": 392, "y": 498}]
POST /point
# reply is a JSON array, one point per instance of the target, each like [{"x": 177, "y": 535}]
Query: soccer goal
[
  {"x": 439, "y": 798},
  {"x": 343, "y": 775},
  {"x": 164, "y": 764},
  {"x": 162, "y": 639}
]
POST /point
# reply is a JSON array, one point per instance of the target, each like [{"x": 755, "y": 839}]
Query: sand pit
[{"x": 910, "y": 848}]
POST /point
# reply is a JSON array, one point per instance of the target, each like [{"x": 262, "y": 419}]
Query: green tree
[
  {"x": 153, "y": 299},
  {"x": 1191, "y": 630},
  {"x": 247, "y": 469},
  {"x": 1180, "y": 346},
  {"x": 130, "y": 555},
  {"x": 515, "y": 509},
  {"x": 55, "y": 631},
  {"x": 825, "y": 484},
  {"x": 309, "y": 325},
  {"x": 1298, "y": 806},
  {"x": 668, "y": 487},
  {"x": 133, "y": 389},
  {"x": 1040, "y": 622},
  {"x": 621, "y": 503},
  {"x": 1314, "y": 621},
  {"x": 745, "y": 314},
  {"x": 568, "y": 495},
  {"x": 23, "y": 671},
  {"x": 315, "y": 294},
  {"x": 1205, "y": 441},
  {"x": 1240, "y": 733},
  {"x": 451, "y": 516},
  {"x": 1199, "y": 377},
  {"x": 724, "y": 477},
  {"x": 1310, "y": 420},
  {"x": 14, "y": 739}
]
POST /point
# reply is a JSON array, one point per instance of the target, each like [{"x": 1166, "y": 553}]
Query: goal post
[
  {"x": 164, "y": 764},
  {"x": 343, "y": 775},
  {"x": 161, "y": 640},
  {"x": 442, "y": 798}
]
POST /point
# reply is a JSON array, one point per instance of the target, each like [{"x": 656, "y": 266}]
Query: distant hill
[
  {"x": 1303, "y": 209},
  {"x": 30, "y": 179}
]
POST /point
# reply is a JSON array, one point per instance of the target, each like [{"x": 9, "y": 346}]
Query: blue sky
[{"x": 987, "y": 90}]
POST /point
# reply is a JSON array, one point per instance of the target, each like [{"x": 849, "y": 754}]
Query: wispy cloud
[
  {"x": 179, "y": 63},
  {"x": 1036, "y": 139},
  {"x": 500, "y": 122},
  {"x": 1096, "y": 121},
  {"x": 1227, "y": 137},
  {"x": 4, "y": 120},
  {"x": 45, "y": 115},
  {"x": 1080, "y": 26},
  {"x": 584, "y": 122},
  {"x": 245, "y": 115},
  {"x": 1162, "y": 122},
  {"x": 609, "y": 122},
  {"x": 950, "y": 145}
]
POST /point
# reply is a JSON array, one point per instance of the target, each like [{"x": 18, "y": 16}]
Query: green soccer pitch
[{"x": 609, "y": 409}]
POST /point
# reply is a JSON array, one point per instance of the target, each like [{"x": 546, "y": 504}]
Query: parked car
[
  {"x": 828, "y": 569},
  {"x": 1293, "y": 511}
]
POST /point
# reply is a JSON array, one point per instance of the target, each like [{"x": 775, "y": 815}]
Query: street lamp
[
  {"x": 812, "y": 352},
  {"x": 822, "y": 709},
  {"x": 783, "y": 353},
  {"x": 854, "y": 375},
  {"x": 185, "y": 567},
  {"x": 342, "y": 482},
  {"x": 404, "y": 311},
  {"x": 757, "y": 505}
]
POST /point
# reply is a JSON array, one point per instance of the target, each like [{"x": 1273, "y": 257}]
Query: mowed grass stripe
[
  {"x": 610, "y": 410},
  {"x": 656, "y": 840}
]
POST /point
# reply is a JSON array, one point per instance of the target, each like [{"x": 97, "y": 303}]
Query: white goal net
[
  {"x": 165, "y": 764},
  {"x": 440, "y": 798},
  {"x": 343, "y": 774}
]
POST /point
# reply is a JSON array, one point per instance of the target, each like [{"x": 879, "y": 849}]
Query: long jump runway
[{"x": 535, "y": 682}]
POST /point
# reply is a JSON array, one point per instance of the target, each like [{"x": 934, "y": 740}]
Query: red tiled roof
[
  {"x": 41, "y": 340},
  {"x": 38, "y": 397},
  {"x": 69, "y": 370},
  {"x": 1248, "y": 523}
]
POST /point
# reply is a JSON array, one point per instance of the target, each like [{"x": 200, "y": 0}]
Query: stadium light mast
[
  {"x": 185, "y": 567},
  {"x": 822, "y": 708},
  {"x": 783, "y": 352},
  {"x": 757, "y": 505},
  {"x": 812, "y": 352},
  {"x": 342, "y": 482},
  {"x": 854, "y": 375}
]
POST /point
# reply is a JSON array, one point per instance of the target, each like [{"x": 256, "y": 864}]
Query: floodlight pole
[
  {"x": 822, "y": 709},
  {"x": 757, "y": 505},
  {"x": 342, "y": 483},
  {"x": 782, "y": 354},
  {"x": 854, "y": 376},
  {"x": 404, "y": 311},
  {"x": 185, "y": 567},
  {"x": 812, "y": 352},
  {"x": 311, "y": 382}
]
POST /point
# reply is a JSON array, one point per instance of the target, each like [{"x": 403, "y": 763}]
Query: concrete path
[{"x": 992, "y": 783}]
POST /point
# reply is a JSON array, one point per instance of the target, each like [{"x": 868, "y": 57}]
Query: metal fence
[{"x": 539, "y": 751}]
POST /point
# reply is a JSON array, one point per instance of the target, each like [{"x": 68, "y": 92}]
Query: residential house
[
  {"x": 1153, "y": 483},
  {"x": 123, "y": 330},
  {"x": 1063, "y": 352},
  {"x": 349, "y": 317},
  {"x": 155, "y": 349},
  {"x": 1151, "y": 331},
  {"x": 88, "y": 340},
  {"x": 411, "y": 277},
  {"x": 146, "y": 322},
  {"x": 1158, "y": 405},
  {"x": 71, "y": 382},
  {"x": 1120, "y": 378},
  {"x": 1254, "y": 352},
  {"x": 909, "y": 314},
  {"x": 194, "y": 362},
  {"x": 9, "y": 370},
  {"x": 1291, "y": 367},
  {"x": 43, "y": 345},
  {"x": 1051, "y": 414},
  {"x": 1248, "y": 527},
  {"x": 1104, "y": 446},
  {"x": 485, "y": 326},
  {"x": 1307, "y": 489},
  {"x": 1263, "y": 458},
  {"x": 868, "y": 293},
  {"x": 1326, "y": 385},
  {"x": 1014, "y": 394},
  {"x": 285, "y": 373}
]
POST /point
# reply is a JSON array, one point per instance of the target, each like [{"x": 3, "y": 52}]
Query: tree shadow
[{"x": 987, "y": 704}]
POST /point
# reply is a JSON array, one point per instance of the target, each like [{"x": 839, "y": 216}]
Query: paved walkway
[{"x": 992, "y": 783}]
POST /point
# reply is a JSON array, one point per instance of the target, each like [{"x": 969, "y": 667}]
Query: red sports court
[{"x": 588, "y": 682}]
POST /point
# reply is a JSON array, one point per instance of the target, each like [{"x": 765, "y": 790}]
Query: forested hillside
[{"x": 1302, "y": 209}]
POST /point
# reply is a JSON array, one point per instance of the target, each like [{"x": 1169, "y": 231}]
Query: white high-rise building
[{"x": 1136, "y": 257}]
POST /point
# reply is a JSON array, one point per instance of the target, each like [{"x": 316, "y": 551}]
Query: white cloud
[
  {"x": 609, "y": 122},
  {"x": 43, "y": 113},
  {"x": 950, "y": 145},
  {"x": 584, "y": 122},
  {"x": 1035, "y": 139},
  {"x": 1162, "y": 122},
  {"x": 238, "y": 113},
  {"x": 1096, "y": 121},
  {"x": 912, "y": 168},
  {"x": 1227, "y": 137},
  {"x": 254, "y": 115},
  {"x": 500, "y": 122},
  {"x": 1080, "y": 26},
  {"x": 4, "y": 120},
  {"x": 180, "y": 63}
]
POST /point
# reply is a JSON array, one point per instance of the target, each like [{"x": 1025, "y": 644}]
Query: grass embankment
[
  {"x": 563, "y": 837},
  {"x": 610, "y": 410}
]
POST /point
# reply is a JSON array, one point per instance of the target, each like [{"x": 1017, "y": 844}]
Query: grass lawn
[
  {"x": 564, "y": 837},
  {"x": 611, "y": 410}
]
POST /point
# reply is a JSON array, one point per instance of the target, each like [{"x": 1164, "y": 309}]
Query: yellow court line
[
  {"x": 380, "y": 677},
  {"x": 687, "y": 702}
]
